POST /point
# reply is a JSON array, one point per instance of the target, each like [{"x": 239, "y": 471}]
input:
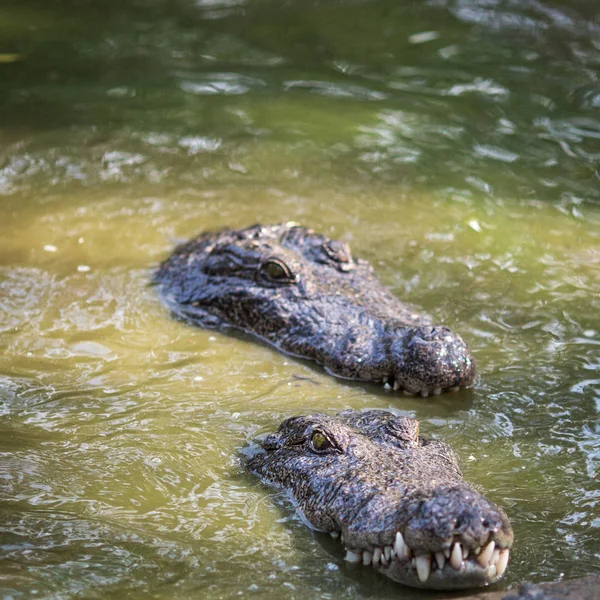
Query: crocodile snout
[
  {"x": 429, "y": 360},
  {"x": 456, "y": 515},
  {"x": 455, "y": 538}
]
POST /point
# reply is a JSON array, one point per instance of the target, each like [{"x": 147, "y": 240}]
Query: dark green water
[{"x": 456, "y": 145}]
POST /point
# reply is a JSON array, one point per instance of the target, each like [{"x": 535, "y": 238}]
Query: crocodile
[
  {"x": 309, "y": 297},
  {"x": 397, "y": 501}
]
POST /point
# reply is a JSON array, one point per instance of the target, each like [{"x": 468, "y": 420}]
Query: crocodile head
[
  {"x": 308, "y": 296},
  {"x": 397, "y": 501}
]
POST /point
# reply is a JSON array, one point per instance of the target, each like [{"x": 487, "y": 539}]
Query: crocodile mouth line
[
  {"x": 396, "y": 386},
  {"x": 489, "y": 561}
]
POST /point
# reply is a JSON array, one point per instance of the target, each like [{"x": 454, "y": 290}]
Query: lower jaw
[{"x": 471, "y": 575}]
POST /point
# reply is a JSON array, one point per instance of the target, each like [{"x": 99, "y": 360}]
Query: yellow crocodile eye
[
  {"x": 277, "y": 271},
  {"x": 319, "y": 441}
]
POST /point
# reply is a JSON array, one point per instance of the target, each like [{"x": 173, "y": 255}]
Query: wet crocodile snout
[
  {"x": 429, "y": 360},
  {"x": 456, "y": 515},
  {"x": 450, "y": 537}
]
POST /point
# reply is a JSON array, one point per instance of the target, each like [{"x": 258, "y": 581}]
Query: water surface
[{"x": 453, "y": 144}]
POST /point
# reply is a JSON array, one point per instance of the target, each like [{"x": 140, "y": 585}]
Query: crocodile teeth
[
  {"x": 424, "y": 393},
  {"x": 455, "y": 388},
  {"x": 387, "y": 386},
  {"x": 495, "y": 557},
  {"x": 334, "y": 534},
  {"x": 437, "y": 391},
  {"x": 486, "y": 554},
  {"x": 456, "y": 557},
  {"x": 396, "y": 386},
  {"x": 423, "y": 567},
  {"x": 402, "y": 550},
  {"x": 502, "y": 561},
  {"x": 493, "y": 560},
  {"x": 352, "y": 557},
  {"x": 387, "y": 552}
]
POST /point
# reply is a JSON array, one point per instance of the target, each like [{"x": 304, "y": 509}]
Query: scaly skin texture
[
  {"x": 306, "y": 295},
  {"x": 398, "y": 501}
]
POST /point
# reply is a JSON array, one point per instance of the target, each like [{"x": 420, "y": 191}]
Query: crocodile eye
[
  {"x": 319, "y": 442},
  {"x": 277, "y": 271}
]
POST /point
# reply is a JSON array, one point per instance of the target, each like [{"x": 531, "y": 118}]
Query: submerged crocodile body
[
  {"x": 398, "y": 502},
  {"x": 308, "y": 296}
]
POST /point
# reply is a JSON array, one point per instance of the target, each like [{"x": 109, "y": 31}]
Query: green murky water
[{"x": 455, "y": 144}]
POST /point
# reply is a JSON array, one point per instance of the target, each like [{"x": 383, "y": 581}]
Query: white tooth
[
  {"x": 477, "y": 550},
  {"x": 491, "y": 571},
  {"x": 502, "y": 562},
  {"x": 398, "y": 543},
  {"x": 455, "y": 388},
  {"x": 484, "y": 558},
  {"x": 407, "y": 393},
  {"x": 402, "y": 550},
  {"x": 437, "y": 391},
  {"x": 387, "y": 552},
  {"x": 377, "y": 556},
  {"x": 424, "y": 393},
  {"x": 334, "y": 534},
  {"x": 423, "y": 567},
  {"x": 447, "y": 553},
  {"x": 495, "y": 557},
  {"x": 352, "y": 557},
  {"x": 399, "y": 547},
  {"x": 396, "y": 386},
  {"x": 465, "y": 553},
  {"x": 456, "y": 557},
  {"x": 387, "y": 387},
  {"x": 367, "y": 558},
  {"x": 393, "y": 553},
  {"x": 441, "y": 559}
]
